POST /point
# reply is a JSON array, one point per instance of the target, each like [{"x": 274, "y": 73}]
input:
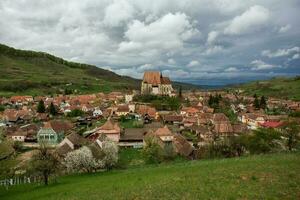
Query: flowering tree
[
  {"x": 82, "y": 160},
  {"x": 110, "y": 150}
]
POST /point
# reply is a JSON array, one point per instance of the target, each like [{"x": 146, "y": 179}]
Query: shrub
[
  {"x": 295, "y": 114},
  {"x": 75, "y": 113},
  {"x": 18, "y": 146},
  {"x": 229, "y": 147},
  {"x": 152, "y": 152},
  {"x": 264, "y": 141},
  {"x": 168, "y": 152}
]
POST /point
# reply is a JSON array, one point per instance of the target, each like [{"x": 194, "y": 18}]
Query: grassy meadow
[{"x": 273, "y": 176}]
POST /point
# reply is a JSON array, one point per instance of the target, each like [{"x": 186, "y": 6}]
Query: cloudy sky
[{"x": 199, "y": 41}]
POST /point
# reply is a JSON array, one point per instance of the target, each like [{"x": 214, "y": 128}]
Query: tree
[
  {"x": 263, "y": 103},
  {"x": 44, "y": 163},
  {"x": 41, "y": 107},
  {"x": 264, "y": 141},
  {"x": 180, "y": 92},
  {"x": 52, "y": 109},
  {"x": 291, "y": 131},
  {"x": 110, "y": 150},
  {"x": 82, "y": 160},
  {"x": 256, "y": 103},
  {"x": 152, "y": 152}
]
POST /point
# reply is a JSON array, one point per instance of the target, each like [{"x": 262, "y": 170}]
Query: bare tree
[{"x": 44, "y": 163}]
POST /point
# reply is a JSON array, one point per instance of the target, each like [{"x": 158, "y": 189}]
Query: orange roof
[
  {"x": 143, "y": 110},
  {"x": 109, "y": 125},
  {"x": 165, "y": 131},
  {"x": 152, "y": 77}
]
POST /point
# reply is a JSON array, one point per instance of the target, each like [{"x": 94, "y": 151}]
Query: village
[{"x": 68, "y": 122}]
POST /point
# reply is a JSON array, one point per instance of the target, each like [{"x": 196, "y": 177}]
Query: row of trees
[
  {"x": 45, "y": 162},
  {"x": 260, "y": 141},
  {"x": 260, "y": 104},
  {"x": 214, "y": 101},
  {"x": 42, "y": 109}
]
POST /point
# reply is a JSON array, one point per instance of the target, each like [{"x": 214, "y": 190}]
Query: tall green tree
[
  {"x": 256, "y": 103},
  {"x": 263, "y": 102},
  {"x": 41, "y": 107},
  {"x": 52, "y": 109},
  {"x": 291, "y": 131},
  {"x": 180, "y": 92}
]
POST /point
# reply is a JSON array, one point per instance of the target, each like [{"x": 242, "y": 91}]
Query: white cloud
[
  {"x": 167, "y": 33},
  {"x": 130, "y": 36},
  {"x": 171, "y": 61},
  {"x": 296, "y": 56},
  {"x": 212, "y": 36},
  {"x": 249, "y": 21},
  {"x": 193, "y": 63},
  {"x": 211, "y": 50},
  {"x": 118, "y": 12},
  {"x": 280, "y": 52},
  {"x": 231, "y": 69},
  {"x": 285, "y": 28},
  {"x": 261, "y": 65}
]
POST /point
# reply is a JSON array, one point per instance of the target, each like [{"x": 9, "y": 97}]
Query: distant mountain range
[{"x": 38, "y": 73}]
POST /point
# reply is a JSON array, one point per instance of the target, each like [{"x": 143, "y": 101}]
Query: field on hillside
[
  {"x": 270, "y": 176},
  {"x": 284, "y": 88}
]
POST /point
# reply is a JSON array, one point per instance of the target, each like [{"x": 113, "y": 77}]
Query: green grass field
[{"x": 270, "y": 176}]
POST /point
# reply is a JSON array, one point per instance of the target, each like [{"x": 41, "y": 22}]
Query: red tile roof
[
  {"x": 271, "y": 124},
  {"x": 152, "y": 77}
]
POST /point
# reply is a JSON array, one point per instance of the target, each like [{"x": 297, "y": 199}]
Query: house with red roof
[{"x": 110, "y": 128}]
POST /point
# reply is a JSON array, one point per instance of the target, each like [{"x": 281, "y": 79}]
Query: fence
[{"x": 19, "y": 180}]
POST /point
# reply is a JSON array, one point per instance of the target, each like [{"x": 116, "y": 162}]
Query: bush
[
  {"x": 168, "y": 152},
  {"x": 152, "y": 152},
  {"x": 226, "y": 148},
  {"x": 295, "y": 114},
  {"x": 264, "y": 141},
  {"x": 75, "y": 113},
  {"x": 18, "y": 146}
]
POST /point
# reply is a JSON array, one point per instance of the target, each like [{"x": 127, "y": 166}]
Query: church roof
[{"x": 152, "y": 77}]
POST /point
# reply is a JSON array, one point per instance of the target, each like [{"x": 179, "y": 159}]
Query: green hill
[
  {"x": 280, "y": 87},
  {"x": 39, "y": 73},
  {"x": 274, "y": 176}
]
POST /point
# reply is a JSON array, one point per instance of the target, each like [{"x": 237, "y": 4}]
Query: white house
[{"x": 97, "y": 112}]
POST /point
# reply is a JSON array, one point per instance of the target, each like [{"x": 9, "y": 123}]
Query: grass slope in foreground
[
  {"x": 274, "y": 176},
  {"x": 283, "y": 88}
]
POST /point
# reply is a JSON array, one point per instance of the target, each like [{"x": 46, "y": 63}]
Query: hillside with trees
[{"x": 280, "y": 87}]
